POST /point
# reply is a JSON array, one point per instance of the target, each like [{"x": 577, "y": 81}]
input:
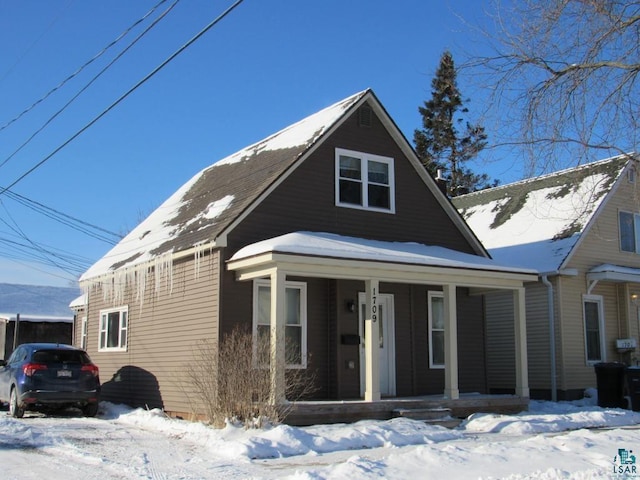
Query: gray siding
[{"x": 499, "y": 340}]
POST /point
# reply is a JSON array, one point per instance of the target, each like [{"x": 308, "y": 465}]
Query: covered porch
[{"x": 328, "y": 256}]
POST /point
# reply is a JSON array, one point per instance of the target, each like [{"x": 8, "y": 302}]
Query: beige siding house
[
  {"x": 328, "y": 233},
  {"x": 580, "y": 229}
]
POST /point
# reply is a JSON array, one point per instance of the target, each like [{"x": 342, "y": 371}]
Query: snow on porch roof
[
  {"x": 614, "y": 273},
  {"x": 337, "y": 246},
  {"x": 203, "y": 207}
]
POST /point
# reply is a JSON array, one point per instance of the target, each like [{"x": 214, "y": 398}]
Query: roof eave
[{"x": 264, "y": 264}]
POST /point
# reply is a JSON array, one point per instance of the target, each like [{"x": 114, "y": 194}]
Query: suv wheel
[
  {"x": 14, "y": 409},
  {"x": 90, "y": 410}
]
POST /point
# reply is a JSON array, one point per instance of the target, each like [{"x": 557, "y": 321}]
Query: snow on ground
[{"x": 552, "y": 440}]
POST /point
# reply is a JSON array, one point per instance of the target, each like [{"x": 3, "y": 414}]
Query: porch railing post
[
  {"x": 450, "y": 343},
  {"x": 372, "y": 342},
  {"x": 277, "y": 364},
  {"x": 522, "y": 371}
]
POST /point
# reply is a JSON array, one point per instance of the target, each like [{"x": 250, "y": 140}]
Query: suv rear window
[{"x": 60, "y": 356}]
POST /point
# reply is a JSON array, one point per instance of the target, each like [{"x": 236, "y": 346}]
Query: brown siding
[
  {"x": 306, "y": 199},
  {"x": 162, "y": 333},
  {"x": 348, "y": 358},
  {"x": 471, "y": 340},
  {"x": 165, "y": 327}
]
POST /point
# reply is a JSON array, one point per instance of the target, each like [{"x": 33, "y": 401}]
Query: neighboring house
[
  {"x": 319, "y": 233},
  {"x": 580, "y": 229},
  {"x": 43, "y": 312},
  {"x": 33, "y": 328}
]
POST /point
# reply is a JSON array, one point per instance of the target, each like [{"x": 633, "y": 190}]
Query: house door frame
[{"x": 388, "y": 349}]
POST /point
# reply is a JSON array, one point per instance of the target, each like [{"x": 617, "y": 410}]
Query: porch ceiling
[{"x": 331, "y": 256}]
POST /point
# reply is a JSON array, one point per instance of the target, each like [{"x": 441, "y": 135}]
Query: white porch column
[
  {"x": 277, "y": 363},
  {"x": 372, "y": 342},
  {"x": 450, "y": 343},
  {"x": 522, "y": 370}
]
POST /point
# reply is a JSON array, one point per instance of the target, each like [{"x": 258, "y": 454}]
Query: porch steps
[{"x": 432, "y": 416}]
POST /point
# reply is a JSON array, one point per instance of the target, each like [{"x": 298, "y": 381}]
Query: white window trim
[
  {"x": 603, "y": 351},
  {"x": 121, "y": 347},
  {"x": 365, "y": 157},
  {"x": 430, "y": 295},
  {"x": 302, "y": 286},
  {"x": 635, "y": 216},
  {"x": 83, "y": 332}
]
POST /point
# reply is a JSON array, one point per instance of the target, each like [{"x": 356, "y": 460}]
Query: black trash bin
[
  {"x": 633, "y": 384},
  {"x": 610, "y": 378}
]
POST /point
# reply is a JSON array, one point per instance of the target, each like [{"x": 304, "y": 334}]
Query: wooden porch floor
[{"x": 347, "y": 411}]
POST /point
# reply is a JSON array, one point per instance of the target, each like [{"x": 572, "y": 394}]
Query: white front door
[{"x": 386, "y": 325}]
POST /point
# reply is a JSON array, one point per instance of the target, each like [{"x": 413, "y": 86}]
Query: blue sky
[{"x": 265, "y": 66}]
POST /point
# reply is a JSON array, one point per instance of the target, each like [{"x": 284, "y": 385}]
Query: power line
[
  {"x": 85, "y": 65},
  {"x": 125, "y": 95},
  {"x": 38, "y": 252},
  {"x": 34, "y": 43},
  {"x": 82, "y": 226},
  {"x": 83, "y": 89}
]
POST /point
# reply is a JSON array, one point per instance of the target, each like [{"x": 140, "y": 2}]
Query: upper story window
[
  {"x": 113, "y": 329},
  {"x": 365, "y": 181},
  {"x": 629, "y": 224}
]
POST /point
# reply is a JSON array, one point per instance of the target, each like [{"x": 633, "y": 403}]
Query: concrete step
[{"x": 432, "y": 416}]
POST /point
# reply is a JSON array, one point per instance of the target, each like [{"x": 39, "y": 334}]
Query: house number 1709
[{"x": 374, "y": 307}]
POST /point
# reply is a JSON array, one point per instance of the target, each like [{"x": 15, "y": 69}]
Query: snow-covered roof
[
  {"x": 79, "y": 302},
  {"x": 337, "y": 246},
  {"x": 208, "y": 203},
  {"x": 11, "y": 317},
  {"x": 536, "y": 223},
  {"x": 614, "y": 273}
]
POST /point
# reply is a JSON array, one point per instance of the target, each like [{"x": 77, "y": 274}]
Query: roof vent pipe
[{"x": 441, "y": 181}]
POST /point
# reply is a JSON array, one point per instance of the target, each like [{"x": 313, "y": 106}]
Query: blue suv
[{"x": 41, "y": 376}]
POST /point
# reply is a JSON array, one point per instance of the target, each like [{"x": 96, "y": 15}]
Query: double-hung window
[
  {"x": 113, "y": 329},
  {"x": 629, "y": 225},
  {"x": 593, "y": 329},
  {"x": 295, "y": 323},
  {"x": 436, "y": 329},
  {"x": 364, "y": 181}
]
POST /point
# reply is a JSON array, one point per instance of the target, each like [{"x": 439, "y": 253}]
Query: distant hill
[{"x": 37, "y": 300}]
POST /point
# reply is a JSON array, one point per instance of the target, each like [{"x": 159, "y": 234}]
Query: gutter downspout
[{"x": 552, "y": 336}]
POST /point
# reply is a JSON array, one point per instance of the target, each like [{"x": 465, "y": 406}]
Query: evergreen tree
[{"x": 439, "y": 144}]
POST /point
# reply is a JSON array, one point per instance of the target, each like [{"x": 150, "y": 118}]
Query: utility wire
[
  {"x": 82, "y": 226},
  {"x": 83, "y": 89},
  {"x": 86, "y": 64},
  {"x": 17, "y": 244},
  {"x": 16, "y": 260},
  {"x": 125, "y": 95},
  {"x": 44, "y": 255},
  {"x": 35, "y": 42},
  {"x": 25, "y": 253}
]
